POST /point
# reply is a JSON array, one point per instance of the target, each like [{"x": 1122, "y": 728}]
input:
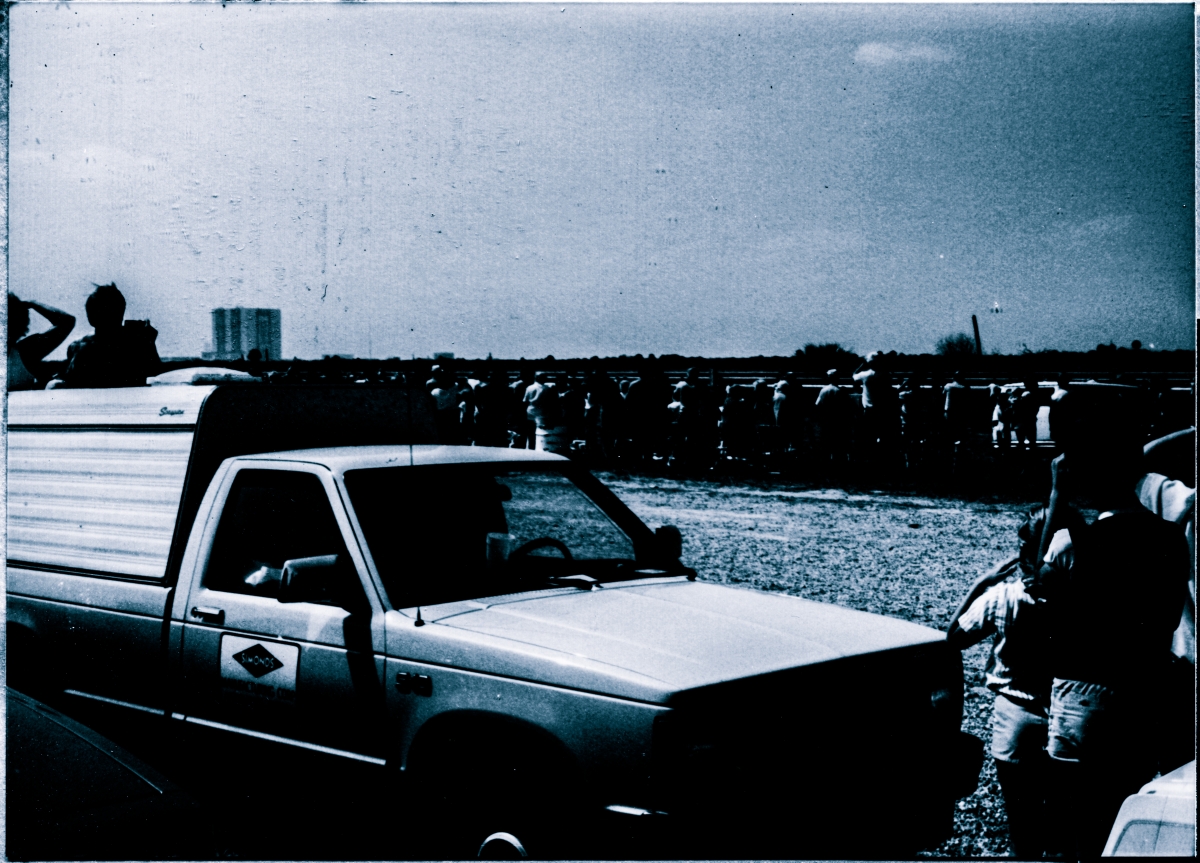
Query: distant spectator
[
  {"x": 691, "y": 438},
  {"x": 955, "y": 409},
  {"x": 783, "y": 406},
  {"x": 879, "y": 417},
  {"x": 466, "y": 409},
  {"x": 572, "y": 404},
  {"x": 521, "y": 428},
  {"x": 1001, "y": 416},
  {"x": 831, "y": 413},
  {"x": 603, "y": 416},
  {"x": 491, "y": 413},
  {"x": 737, "y": 421},
  {"x": 115, "y": 355},
  {"x": 541, "y": 402},
  {"x": 706, "y": 410},
  {"x": 1025, "y": 412},
  {"x": 26, "y": 353},
  {"x": 1062, "y": 420},
  {"x": 677, "y": 433},
  {"x": 444, "y": 390},
  {"x": 869, "y": 375},
  {"x": 646, "y": 410},
  {"x": 914, "y": 419}
]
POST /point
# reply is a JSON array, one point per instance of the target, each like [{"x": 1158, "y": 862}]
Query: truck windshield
[{"x": 444, "y": 533}]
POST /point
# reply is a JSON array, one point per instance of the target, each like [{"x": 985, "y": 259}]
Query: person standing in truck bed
[
  {"x": 25, "y": 353},
  {"x": 115, "y": 355}
]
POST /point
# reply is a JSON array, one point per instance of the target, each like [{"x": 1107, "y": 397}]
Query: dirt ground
[{"x": 905, "y": 556}]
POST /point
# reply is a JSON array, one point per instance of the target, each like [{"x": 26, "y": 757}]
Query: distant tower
[{"x": 238, "y": 331}]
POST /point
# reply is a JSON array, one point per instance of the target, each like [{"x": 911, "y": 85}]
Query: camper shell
[{"x": 106, "y": 482}]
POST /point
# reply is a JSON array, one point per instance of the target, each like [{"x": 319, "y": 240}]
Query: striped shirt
[{"x": 1017, "y": 667}]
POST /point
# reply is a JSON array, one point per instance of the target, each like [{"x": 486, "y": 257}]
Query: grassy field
[{"x": 904, "y": 556}]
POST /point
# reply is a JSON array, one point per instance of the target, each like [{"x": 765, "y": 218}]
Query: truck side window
[{"x": 270, "y": 517}]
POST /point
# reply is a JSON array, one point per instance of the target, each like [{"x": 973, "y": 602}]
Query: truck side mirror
[
  {"x": 670, "y": 542},
  {"x": 313, "y": 579}
]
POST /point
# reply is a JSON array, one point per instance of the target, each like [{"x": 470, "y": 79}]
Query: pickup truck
[{"x": 308, "y": 566}]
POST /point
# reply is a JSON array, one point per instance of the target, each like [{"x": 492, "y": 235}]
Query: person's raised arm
[
  {"x": 36, "y": 347},
  {"x": 1059, "y": 489},
  {"x": 956, "y": 635}
]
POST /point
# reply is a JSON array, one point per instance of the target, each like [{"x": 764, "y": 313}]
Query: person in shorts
[
  {"x": 1017, "y": 671},
  {"x": 1114, "y": 588}
]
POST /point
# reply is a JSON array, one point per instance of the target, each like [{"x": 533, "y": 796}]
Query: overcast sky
[{"x": 578, "y": 180}]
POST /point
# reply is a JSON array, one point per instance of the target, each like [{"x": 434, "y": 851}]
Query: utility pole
[{"x": 978, "y": 343}]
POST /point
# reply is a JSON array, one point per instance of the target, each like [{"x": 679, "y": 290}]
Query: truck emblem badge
[{"x": 257, "y": 660}]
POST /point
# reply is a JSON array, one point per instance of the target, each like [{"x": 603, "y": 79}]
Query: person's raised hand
[{"x": 1060, "y": 474}]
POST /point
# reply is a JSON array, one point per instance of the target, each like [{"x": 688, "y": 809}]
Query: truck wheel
[
  {"x": 502, "y": 846},
  {"x": 494, "y": 820},
  {"x": 487, "y": 796}
]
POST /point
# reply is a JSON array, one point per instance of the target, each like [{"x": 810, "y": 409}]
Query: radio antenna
[{"x": 419, "y": 622}]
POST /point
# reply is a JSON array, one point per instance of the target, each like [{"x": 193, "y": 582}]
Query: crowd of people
[
  {"x": 118, "y": 353},
  {"x": 1093, "y": 660},
  {"x": 864, "y": 423}
]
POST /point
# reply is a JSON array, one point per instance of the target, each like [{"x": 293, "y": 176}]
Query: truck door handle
[{"x": 209, "y": 615}]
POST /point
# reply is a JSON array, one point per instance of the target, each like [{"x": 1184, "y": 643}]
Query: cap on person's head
[
  {"x": 831, "y": 373},
  {"x": 540, "y": 377},
  {"x": 872, "y": 356},
  {"x": 106, "y": 306},
  {"x": 780, "y": 385}
]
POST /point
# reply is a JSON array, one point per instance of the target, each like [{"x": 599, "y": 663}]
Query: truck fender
[{"x": 472, "y": 742}]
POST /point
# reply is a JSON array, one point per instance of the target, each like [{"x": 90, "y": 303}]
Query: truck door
[{"x": 259, "y": 662}]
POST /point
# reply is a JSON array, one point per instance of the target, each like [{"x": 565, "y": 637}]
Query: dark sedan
[{"x": 72, "y": 794}]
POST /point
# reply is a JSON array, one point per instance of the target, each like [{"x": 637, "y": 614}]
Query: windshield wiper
[{"x": 583, "y": 582}]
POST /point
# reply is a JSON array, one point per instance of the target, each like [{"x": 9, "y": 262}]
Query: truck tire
[
  {"x": 481, "y": 783},
  {"x": 502, "y": 846}
]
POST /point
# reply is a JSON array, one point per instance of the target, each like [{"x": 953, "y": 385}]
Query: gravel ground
[{"x": 905, "y": 556}]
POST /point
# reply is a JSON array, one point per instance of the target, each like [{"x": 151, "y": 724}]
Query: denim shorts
[
  {"x": 1018, "y": 732},
  {"x": 1089, "y": 722}
]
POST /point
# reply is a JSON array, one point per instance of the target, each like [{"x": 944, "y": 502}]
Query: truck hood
[{"x": 653, "y": 637}]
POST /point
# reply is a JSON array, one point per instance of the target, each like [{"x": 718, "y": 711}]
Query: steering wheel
[{"x": 540, "y": 542}]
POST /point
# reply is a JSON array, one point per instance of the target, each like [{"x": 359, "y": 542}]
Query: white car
[{"x": 1158, "y": 821}]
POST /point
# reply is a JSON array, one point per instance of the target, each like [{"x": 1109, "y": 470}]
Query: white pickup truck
[{"x": 307, "y": 566}]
